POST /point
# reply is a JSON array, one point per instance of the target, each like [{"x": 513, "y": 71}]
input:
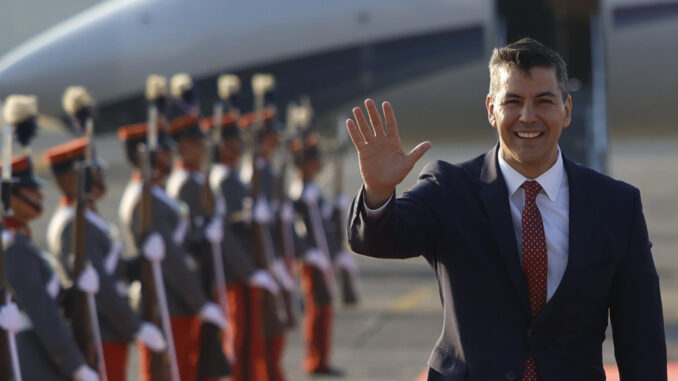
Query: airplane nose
[
  {"x": 80, "y": 51},
  {"x": 22, "y": 72},
  {"x": 44, "y": 67}
]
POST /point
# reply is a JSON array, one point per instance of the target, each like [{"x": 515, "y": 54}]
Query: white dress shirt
[{"x": 554, "y": 206}]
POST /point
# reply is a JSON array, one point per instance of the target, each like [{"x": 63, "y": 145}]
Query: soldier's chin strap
[{"x": 16, "y": 193}]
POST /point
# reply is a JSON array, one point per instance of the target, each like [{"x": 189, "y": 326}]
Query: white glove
[
  {"x": 211, "y": 312},
  {"x": 316, "y": 258},
  {"x": 12, "y": 320},
  {"x": 214, "y": 231},
  {"x": 263, "y": 279},
  {"x": 346, "y": 261},
  {"x": 153, "y": 247},
  {"x": 85, "y": 373},
  {"x": 151, "y": 336},
  {"x": 88, "y": 281},
  {"x": 283, "y": 275}
]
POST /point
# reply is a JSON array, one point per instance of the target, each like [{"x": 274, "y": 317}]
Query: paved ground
[{"x": 390, "y": 335}]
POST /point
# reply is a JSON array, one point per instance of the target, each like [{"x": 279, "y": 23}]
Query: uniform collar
[
  {"x": 191, "y": 168},
  {"x": 550, "y": 181},
  {"x": 16, "y": 226}
]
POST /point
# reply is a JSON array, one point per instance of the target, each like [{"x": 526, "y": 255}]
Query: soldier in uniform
[
  {"x": 119, "y": 324},
  {"x": 246, "y": 283},
  {"x": 46, "y": 346},
  {"x": 317, "y": 277},
  {"x": 269, "y": 140},
  {"x": 188, "y": 184},
  {"x": 188, "y": 305}
]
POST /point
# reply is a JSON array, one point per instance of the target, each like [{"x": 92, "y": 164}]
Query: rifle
[
  {"x": 275, "y": 311},
  {"x": 348, "y": 282},
  {"x": 213, "y": 362},
  {"x": 9, "y": 357},
  {"x": 228, "y": 86},
  {"x": 284, "y": 226},
  {"x": 84, "y": 315},
  {"x": 163, "y": 365}
]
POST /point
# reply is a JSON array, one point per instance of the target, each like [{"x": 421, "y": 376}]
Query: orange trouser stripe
[
  {"x": 186, "y": 333},
  {"x": 317, "y": 326}
]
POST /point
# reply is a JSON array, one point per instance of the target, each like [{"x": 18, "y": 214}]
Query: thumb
[{"x": 418, "y": 151}]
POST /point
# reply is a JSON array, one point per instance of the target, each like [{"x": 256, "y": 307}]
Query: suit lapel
[
  {"x": 494, "y": 196},
  {"x": 581, "y": 232}
]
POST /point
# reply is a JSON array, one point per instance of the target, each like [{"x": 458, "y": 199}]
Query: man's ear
[
  {"x": 568, "y": 112},
  {"x": 489, "y": 105}
]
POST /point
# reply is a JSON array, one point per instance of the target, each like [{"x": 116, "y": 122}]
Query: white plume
[
  {"x": 228, "y": 84},
  {"x": 263, "y": 83},
  {"x": 76, "y": 98},
  {"x": 180, "y": 83},
  {"x": 19, "y": 108},
  {"x": 156, "y": 87}
]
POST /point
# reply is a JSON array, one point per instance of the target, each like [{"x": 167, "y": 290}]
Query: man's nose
[{"x": 527, "y": 114}]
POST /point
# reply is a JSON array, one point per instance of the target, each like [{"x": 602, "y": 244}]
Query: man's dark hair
[{"x": 523, "y": 55}]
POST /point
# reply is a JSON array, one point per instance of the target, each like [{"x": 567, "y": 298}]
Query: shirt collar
[{"x": 550, "y": 180}]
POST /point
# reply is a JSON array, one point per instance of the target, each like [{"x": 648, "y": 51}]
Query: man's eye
[
  {"x": 510, "y": 101},
  {"x": 545, "y": 101}
]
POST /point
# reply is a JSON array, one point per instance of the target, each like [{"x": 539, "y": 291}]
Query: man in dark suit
[{"x": 532, "y": 251}]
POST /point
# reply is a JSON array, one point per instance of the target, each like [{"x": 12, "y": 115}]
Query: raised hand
[{"x": 383, "y": 163}]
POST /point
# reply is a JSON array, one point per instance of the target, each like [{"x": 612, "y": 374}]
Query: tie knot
[{"x": 531, "y": 188}]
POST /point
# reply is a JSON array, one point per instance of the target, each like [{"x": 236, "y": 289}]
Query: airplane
[
  {"x": 334, "y": 52},
  {"x": 428, "y": 57}
]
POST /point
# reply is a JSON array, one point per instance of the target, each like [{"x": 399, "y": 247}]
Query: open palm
[{"x": 383, "y": 163}]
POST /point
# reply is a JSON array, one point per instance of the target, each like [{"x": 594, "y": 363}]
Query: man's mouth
[{"x": 528, "y": 135}]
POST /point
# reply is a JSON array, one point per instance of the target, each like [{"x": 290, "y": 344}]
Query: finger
[
  {"x": 389, "y": 117},
  {"x": 375, "y": 118},
  {"x": 418, "y": 151},
  {"x": 363, "y": 126},
  {"x": 354, "y": 134}
]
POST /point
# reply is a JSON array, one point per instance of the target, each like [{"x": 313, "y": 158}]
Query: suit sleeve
[
  {"x": 26, "y": 280},
  {"x": 636, "y": 308},
  {"x": 408, "y": 226}
]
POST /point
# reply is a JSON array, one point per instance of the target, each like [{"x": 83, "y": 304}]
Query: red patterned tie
[{"x": 535, "y": 261}]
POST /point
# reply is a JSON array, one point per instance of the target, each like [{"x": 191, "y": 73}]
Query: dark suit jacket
[{"x": 458, "y": 218}]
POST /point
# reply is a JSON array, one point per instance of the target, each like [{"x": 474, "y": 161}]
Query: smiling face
[{"x": 529, "y": 113}]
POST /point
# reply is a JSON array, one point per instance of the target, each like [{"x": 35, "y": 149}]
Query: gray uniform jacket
[
  {"x": 226, "y": 186},
  {"x": 117, "y": 320},
  {"x": 185, "y": 187},
  {"x": 267, "y": 187},
  {"x": 170, "y": 220},
  {"x": 48, "y": 350}
]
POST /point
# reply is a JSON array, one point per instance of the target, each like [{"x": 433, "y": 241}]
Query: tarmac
[{"x": 389, "y": 336}]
